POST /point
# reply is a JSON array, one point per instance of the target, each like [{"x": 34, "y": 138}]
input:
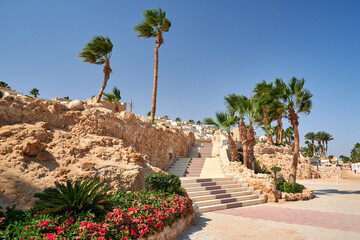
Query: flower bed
[{"x": 133, "y": 215}]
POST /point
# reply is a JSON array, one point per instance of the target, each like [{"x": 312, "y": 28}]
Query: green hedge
[
  {"x": 162, "y": 182},
  {"x": 289, "y": 187}
]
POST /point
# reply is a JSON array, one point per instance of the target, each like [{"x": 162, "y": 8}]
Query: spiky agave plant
[{"x": 71, "y": 199}]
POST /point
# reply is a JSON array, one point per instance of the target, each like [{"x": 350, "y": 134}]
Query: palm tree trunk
[
  {"x": 107, "y": 70},
  {"x": 233, "y": 150},
  {"x": 239, "y": 130},
  {"x": 294, "y": 122},
  {"x": 159, "y": 41},
  {"x": 251, "y": 144},
  {"x": 244, "y": 142},
  {"x": 313, "y": 143},
  {"x": 279, "y": 121},
  {"x": 326, "y": 149}
]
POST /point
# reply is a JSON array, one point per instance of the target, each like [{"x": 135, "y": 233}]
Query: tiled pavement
[{"x": 333, "y": 214}]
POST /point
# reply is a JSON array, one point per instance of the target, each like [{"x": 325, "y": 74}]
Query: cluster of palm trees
[
  {"x": 268, "y": 102},
  {"x": 98, "y": 50},
  {"x": 322, "y": 138},
  {"x": 354, "y": 154}
]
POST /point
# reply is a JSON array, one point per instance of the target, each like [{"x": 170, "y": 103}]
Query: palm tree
[
  {"x": 34, "y": 92},
  {"x": 245, "y": 108},
  {"x": 154, "y": 24},
  {"x": 98, "y": 51},
  {"x": 178, "y": 119},
  {"x": 277, "y": 111},
  {"x": 265, "y": 98},
  {"x": 113, "y": 97},
  {"x": 297, "y": 100},
  {"x": 224, "y": 121},
  {"x": 289, "y": 134},
  {"x": 355, "y": 153},
  {"x": 311, "y": 137},
  {"x": 320, "y": 137},
  {"x": 191, "y": 121},
  {"x": 327, "y": 137},
  {"x": 4, "y": 84},
  {"x": 148, "y": 114},
  {"x": 198, "y": 122}
]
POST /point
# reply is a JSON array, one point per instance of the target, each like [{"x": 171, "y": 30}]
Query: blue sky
[{"x": 212, "y": 49}]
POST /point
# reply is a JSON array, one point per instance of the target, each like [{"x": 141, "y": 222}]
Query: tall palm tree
[
  {"x": 277, "y": 111},
  {"x": 297, "y": 100},
  {"x": 311, "y": 137},
  {"x": 264, "y": 97},
  {"x": 327, "y": 137},
  {"x": 320, "y": 137},
  {"x": 224, "y": 121},
  {"x": 34, "y": 92},
  {"x": 98, "y": 51},
  {"x": 113, "y": 97},
  {"x": 154, "y": 24},
  {"x": 355, "y": 153},
  {"x": 235, "y": 104}
]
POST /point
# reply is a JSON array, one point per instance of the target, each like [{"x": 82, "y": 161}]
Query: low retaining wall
[{"x": 171, "y": 233}]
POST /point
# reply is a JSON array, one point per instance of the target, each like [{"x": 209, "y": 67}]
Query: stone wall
[
  {"x": 329, "y": 172},
  {"x": 42, "y": 142}
]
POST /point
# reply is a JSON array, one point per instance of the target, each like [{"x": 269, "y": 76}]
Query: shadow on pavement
[
  {"x": 334, "y": 191},
  {"x": 198, "y": 225}
]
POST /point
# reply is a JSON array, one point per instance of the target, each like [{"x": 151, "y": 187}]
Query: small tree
[
  {"x": 275, "y": 170},
  {"x": 113, "y": 97},
  {"x": 67, "y": 98},
  {"x": 34, "y": 92},
  {"x": 191, "y": 121},
  {"x": 198, "y": 122},
  {"x": 148, "y": 114},
  {"x": 166, "y": 117},
  {"x": 178, "y": 119}
]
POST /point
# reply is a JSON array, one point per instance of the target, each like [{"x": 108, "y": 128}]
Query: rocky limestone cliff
[
  {"x": 271, "y": 156},
  {"x": 43, "y": 142}
]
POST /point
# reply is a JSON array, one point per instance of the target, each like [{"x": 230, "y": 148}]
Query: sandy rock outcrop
[
  {"x": 262, "y": 182},
  {"x": 43, "y": 142},
  {"x": 271, "y": 156}
]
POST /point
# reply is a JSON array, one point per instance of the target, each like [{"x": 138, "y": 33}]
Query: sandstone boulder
[
  {"x": 76, "y": 105},
  {"x": 32, "y": 147}
]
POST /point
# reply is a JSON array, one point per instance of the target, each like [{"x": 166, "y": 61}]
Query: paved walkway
[{"x": 333, "y": 214}]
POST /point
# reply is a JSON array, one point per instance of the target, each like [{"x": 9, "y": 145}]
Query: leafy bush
[
  {"x": 280, "y": 144},
  {"x": 289, "y": 187},
  {"x": 10, "y": 216},
  {"x": 162, "y": 182},
  {"x": 70, "y": 199},
  {"x": 1, "y": 94}
]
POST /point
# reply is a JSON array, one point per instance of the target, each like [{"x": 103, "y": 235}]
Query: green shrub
[
  {"x": 1, "y": 94},
  {"x": 71, "y": 199},
  {"x": 275, "y": 170},
  {"x": 162, "y": 182},
  {"x": 10, "y": 216},
  {"x": 289, "y": 187}
]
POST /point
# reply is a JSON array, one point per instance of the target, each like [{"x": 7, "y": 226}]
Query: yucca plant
[{"x": 71, "y": 199}]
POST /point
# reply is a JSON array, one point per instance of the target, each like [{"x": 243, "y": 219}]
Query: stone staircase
[
  {"x": 191, "y": 166},
  {"x": 211, "y": 194}
]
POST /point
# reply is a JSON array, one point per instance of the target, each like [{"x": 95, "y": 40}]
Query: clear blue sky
[{"x": 213, "y": 48}]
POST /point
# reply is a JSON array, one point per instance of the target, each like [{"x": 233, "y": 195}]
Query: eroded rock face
[
  {"x": 41, "y": 143},
  {"x": 262, "y": 182},
  {"x": 278, "y": 156}
]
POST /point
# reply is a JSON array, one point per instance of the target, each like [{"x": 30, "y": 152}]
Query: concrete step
[
  {"x": 225, "y": 200},
  {"x": 229, "y": 205},
  {"x": 220, "y": 196},
  {"x": 217, "y": 191},
  {"x": 204, "y": 184},
  {"x": 200, "y": 180},
  {"x": 216, "y": 187}
]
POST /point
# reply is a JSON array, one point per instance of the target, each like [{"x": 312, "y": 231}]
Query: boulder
[
  {"x": 76, "y": 105},
  {"x": 32, "y": 147}
]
